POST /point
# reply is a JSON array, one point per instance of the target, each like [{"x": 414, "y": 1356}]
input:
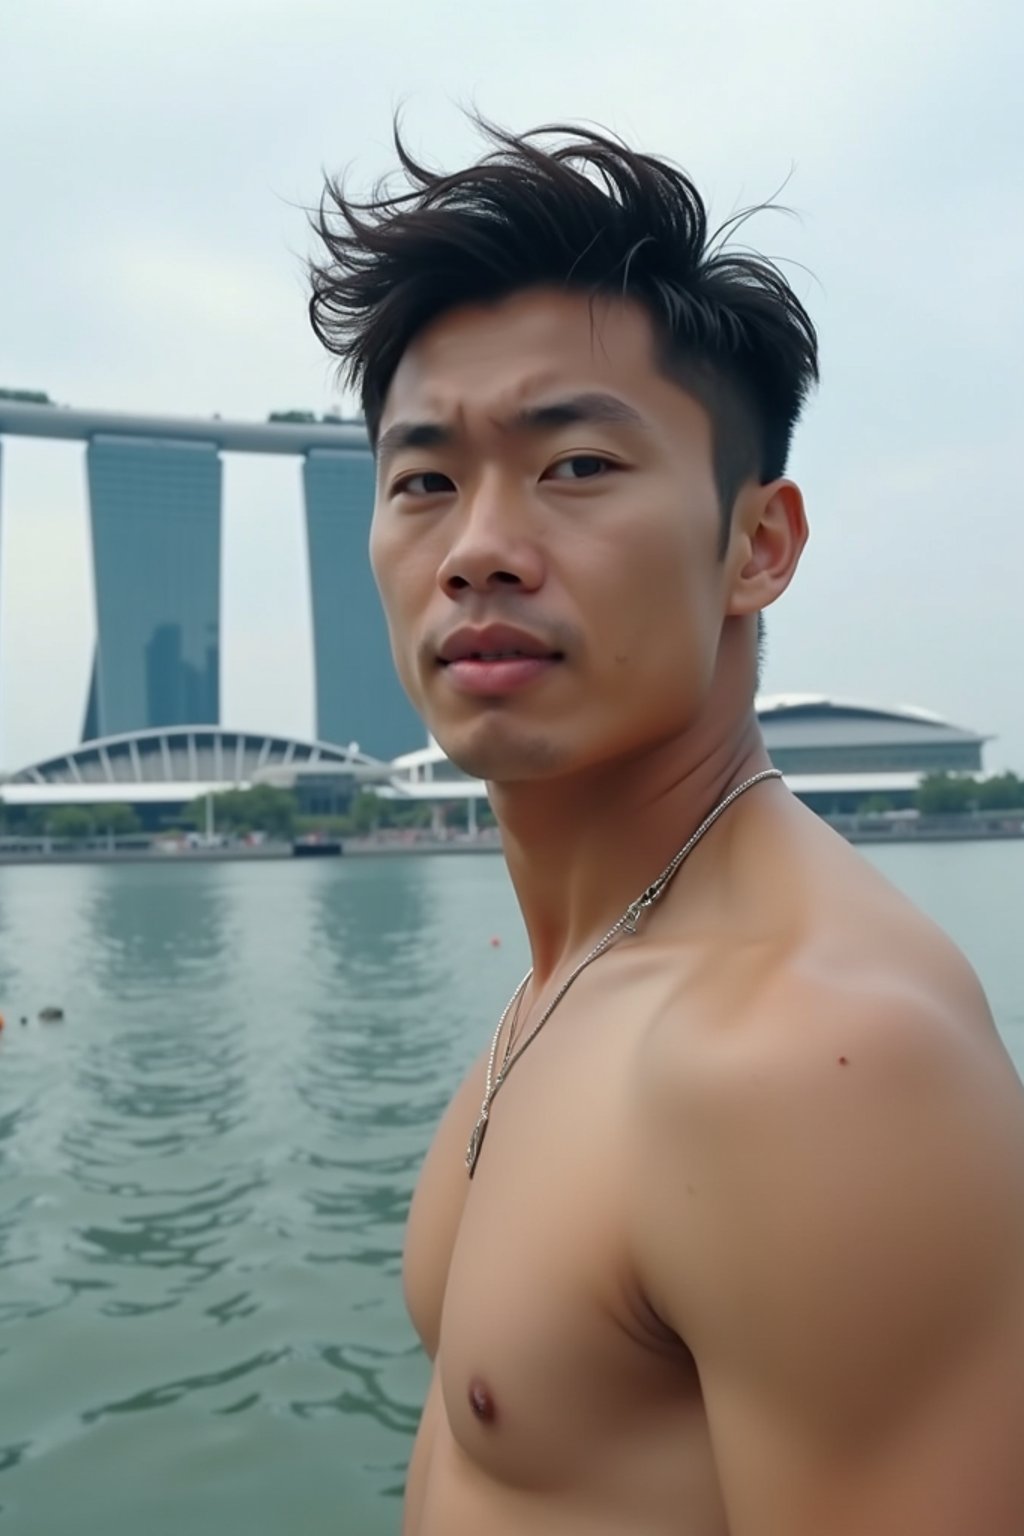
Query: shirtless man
[{"x": 743, "y": 1250}]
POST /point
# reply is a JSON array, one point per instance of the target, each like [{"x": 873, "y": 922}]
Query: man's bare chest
[{"x": 552, "y": 1371}]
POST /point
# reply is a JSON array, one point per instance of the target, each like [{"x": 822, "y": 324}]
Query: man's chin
[{"x": 501, "y": 756}]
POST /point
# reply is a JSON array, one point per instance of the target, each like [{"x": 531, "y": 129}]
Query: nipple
[{"x": 481, "y": 1401}]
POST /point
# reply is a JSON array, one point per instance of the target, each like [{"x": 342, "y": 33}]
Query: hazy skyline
[{"x": 159, "y": 161}]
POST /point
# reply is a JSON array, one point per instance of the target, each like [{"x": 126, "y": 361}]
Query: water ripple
[
  {"x": 207, "y": 1171},
  {"x": 172, "y": 1391}
]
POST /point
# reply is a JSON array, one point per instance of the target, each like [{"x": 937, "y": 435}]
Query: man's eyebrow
[
  {"x": 576, "y": 410},
  {"x": 412, "y": 434}
]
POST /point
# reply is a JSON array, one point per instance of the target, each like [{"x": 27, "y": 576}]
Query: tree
[
  {"x": 116, "y": 820},
  {"x": 263, "y": 808},
  {"x": 403, "y": 813},
  {"x": 269, "y": 809},
  {"x": 365, "y": 812},
  {"x": 71, "y": 821},
  {"x": 27, "y": 396},
  {"x": 1004, "y": 792},
  {"x": 875, "y": 805},
  {"x": 945, "y": 794}
]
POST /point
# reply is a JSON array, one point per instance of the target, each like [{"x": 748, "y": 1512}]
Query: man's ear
[{"x": 769, "y": 532}]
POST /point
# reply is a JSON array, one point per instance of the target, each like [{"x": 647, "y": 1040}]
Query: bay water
[{"x": 205, "y": 1168}]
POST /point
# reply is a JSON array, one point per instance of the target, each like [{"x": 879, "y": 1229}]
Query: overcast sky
[{"x": 156, "y": 161}]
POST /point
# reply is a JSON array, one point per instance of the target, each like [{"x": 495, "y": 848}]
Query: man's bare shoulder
[
  {"x": 834, "y": 1057},
  {"x": 850, "y": 1008},
  {"x": 830, "y": 1212},
  {"x": 842, "y": 963}
]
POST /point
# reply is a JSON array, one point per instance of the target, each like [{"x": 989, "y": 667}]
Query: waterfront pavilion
[
  {"x": 159, "y": 772},
  {"x": 836, "y": 754}
]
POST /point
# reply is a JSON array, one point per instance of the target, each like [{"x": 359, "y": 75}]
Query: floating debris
[{"x": 50, "y": 1015}]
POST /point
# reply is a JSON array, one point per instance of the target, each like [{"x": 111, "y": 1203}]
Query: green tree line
[
  {"x": 275, "y": 812},
  {"x": 945, "y": 794},
  {"x": 76, "y": 822},
  {"x": 235, "y": 813},
  {"x": 948, "y": 794}
]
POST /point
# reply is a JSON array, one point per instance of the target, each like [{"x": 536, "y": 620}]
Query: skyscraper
[
  {"x": 155, "y": 517},
  {"x": 155, "y": 496},
  {"x": 358, "y": 697}
]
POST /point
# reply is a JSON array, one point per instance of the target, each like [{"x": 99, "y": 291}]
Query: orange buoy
[{"x": 495, "y": 943}]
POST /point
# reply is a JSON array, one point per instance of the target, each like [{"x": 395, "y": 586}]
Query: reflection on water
[{"x": 205, "y": 1171}]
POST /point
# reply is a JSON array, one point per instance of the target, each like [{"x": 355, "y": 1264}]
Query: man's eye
[
  {"x": 581, "y": 466},
  {"x": 429, "y": 482}
]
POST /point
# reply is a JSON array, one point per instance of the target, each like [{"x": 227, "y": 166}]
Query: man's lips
[
  {"x": 494, "y": 644},
  {"x": 492, "y": 660},
  {"x": 491, "y": 676}
]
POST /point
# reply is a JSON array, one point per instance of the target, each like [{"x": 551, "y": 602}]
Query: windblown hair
[{"x": 561, "y": 207}]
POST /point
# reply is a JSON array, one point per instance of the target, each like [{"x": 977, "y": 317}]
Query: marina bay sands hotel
[{"x": 154, "y": 488}]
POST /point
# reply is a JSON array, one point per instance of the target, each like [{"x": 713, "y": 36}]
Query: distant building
[
  {"x": 155, "y": 515},
  {"x": 837, "y": 753},
  {"x": 155, "y": 487},
  {"x": 159, "y": 772},
  {"x": 358, "y": 697}
]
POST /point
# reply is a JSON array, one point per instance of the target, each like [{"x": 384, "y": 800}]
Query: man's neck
[{"x": 580, "y": 848}]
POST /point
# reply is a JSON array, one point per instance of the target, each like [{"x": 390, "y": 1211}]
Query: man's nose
[{"x": 494, "y": 544}]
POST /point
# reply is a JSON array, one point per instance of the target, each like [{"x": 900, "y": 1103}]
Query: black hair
[{"x": 562, "y": 206}]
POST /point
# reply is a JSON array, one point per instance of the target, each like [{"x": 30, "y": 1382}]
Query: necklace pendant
[{"x": 476, "y": 1141}]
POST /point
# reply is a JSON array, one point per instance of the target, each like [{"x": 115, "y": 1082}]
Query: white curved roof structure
[
  {"x": 808, "y": 719},
  {"x": 772, "y": 706},
  {"x": 178, "y": 764},
  {"x": 777, "y": 703}
]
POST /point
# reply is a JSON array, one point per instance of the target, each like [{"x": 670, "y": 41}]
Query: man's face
[{"x": 546, "y": 535}]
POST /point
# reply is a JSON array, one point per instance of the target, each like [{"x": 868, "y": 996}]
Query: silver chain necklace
[{"x": 627, "y": 923}]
